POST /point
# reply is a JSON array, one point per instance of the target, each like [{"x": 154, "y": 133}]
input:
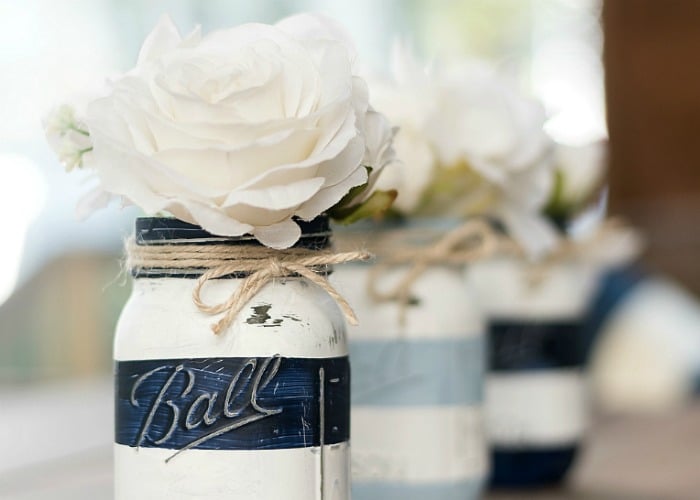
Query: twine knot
[
  {"x": 260, "y": 264},
  {"x": 472, "y": 241}
]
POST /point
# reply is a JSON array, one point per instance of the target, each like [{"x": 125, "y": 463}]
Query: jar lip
[{"x": 160, "y": 230}]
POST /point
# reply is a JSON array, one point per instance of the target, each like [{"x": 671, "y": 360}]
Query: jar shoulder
[
  {"x": 515, "y": 287},
  {"x": 441, "y": 304},
  {"x": 289, "y": 317}
]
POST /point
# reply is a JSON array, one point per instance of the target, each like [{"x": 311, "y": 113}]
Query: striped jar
[
  {"x": 417, "y": 421},
  {"x": 536, "y": 388},
  {"x": 260, "y": 411}
]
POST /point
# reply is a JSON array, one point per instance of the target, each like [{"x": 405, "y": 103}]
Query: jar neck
[
  {"x": 315, "y": 234},
  {"x": 155, "y": 251}
]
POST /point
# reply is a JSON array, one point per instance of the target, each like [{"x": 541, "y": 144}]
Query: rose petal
[
  {"x": 163, "y": 38},
  {"x": 211, "y": 219},
  {"x": 222, "y": 170},
  {"x": 318, "y": 27},
  {"x": 280, "y": 197},
  {"x": 281, "y": 235},
  {"x": 329, "y": 196},
  {"x": 412, "y": 174},
  {"x": 342, "y": 165}
]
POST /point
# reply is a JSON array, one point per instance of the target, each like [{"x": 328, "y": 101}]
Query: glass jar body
[
  {"x": 417, "y": 387},
  {"x": 537, "y": 406},
  {"x": 259, "y": 411}
]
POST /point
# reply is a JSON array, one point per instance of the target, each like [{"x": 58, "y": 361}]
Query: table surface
[{"x": 625, "y": 458}]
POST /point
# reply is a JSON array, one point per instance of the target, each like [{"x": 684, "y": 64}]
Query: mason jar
[
  {"x": 259, "y": 411},
  {"x": 537, "y": 409},
  {"x": 416, "y": 409}
]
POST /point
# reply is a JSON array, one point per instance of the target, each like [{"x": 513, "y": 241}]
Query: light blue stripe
[
  {"x": 465, "y": 490},
  {"x": 417, "y": 372}
]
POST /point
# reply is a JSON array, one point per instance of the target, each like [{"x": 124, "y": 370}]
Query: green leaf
[
  {"x": 557, "y": 206},
  {"x": 378, "y": 203}
]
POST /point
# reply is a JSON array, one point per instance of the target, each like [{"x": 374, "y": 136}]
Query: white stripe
[
  {"x": 538, "y": 408},
  {"x": 445, "y": 308},
  {"x": 506, "y": 292},
  {"x": 418, "y": 444},
  {"x": 148, "y": 328},
  {"x": 225, "y": 474}
]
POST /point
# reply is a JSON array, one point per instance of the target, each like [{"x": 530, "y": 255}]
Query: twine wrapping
[
  {"x": 472, "y": 241},
  {"x": 572, "y": 249},
  {"x": 476, "y": 239},
  {"x": 261, "y": 263}
]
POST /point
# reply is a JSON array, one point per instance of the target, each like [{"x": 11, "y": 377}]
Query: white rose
[
  {"x": 481, "y": 121},
  {"x": 237, "y": 131},
  {"x": 407, "y": 99},
  {"x": 411, "y": 175},
  {"x": 379, "y": 147}
]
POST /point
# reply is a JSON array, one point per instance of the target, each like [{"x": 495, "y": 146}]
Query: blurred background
[{"x": 626, "y": 71}]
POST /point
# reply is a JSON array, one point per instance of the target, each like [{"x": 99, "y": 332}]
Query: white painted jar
[
  {"x": 417, "y": 419},
  {"x": 260, "y": 411},
  {"x": 536, "y": 391}
]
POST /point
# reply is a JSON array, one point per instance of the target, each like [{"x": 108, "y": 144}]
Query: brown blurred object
[
  {"x": 59, "y": 324},
  {"x": 652, "y": 66}
]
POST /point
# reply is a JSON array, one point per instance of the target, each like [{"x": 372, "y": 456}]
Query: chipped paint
[{"x": 260, "y": 314}]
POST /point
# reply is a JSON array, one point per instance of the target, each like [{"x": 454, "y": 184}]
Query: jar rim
[{"x": 315, "y": 234}]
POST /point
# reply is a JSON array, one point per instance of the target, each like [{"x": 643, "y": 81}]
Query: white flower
[
  {"x": 412, "y": 173},
  {"x": 68, "y": 136},
  {"x": 407, "y": 98},
  {"x": 485, "y": 123},
  {"x": 379, "y": 148},
  {"x": 469, "y": 144},
  {"x": 237, "y": 131},
  {"x": 582, "y": 169}
]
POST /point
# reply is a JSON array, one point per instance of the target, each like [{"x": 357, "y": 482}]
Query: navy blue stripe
[
  {"x": 520, "y": 344},
  {"x": 530, "y": 467},
  {"x": 315, "y": 234},
  {"x": 232, "y": 403},
  {"x": 418, "y": 372},
  {"x": 384, "y": 490}
]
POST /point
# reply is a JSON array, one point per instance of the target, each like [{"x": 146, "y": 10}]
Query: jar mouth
[{"x": 315, "y": 234}]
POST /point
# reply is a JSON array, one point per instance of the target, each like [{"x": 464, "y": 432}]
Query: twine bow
[
  {"x": 473, "y": 240},
  {"x": 261, "y": 264}
]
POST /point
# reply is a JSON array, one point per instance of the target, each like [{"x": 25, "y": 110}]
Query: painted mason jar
[
  {"x": 417, "y": 385},
  {"x": 260, "y": 411},
  {"x": 536, "y": 389}
]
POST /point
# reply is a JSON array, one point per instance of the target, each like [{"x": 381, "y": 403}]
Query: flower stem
[{"x": 72, "y": 126}]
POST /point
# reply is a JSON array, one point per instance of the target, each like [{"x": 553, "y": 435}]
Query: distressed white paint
[
  {"x": 406, "y": 444},
  {"x": 536, "y": 409},
  {"x": 228, "y": 474},
  {"x": 160, "y": 322}
]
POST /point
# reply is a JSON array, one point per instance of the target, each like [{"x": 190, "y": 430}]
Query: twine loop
[
  {"x": 261, "y": 264},
  {"x": 470, "y": 242}
]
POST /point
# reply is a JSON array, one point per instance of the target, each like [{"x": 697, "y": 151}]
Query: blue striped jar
[
  {"x": 417, "y": 414},
  {"x": 537, "y": 403},
  {"x": 260, "y": 411}
]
